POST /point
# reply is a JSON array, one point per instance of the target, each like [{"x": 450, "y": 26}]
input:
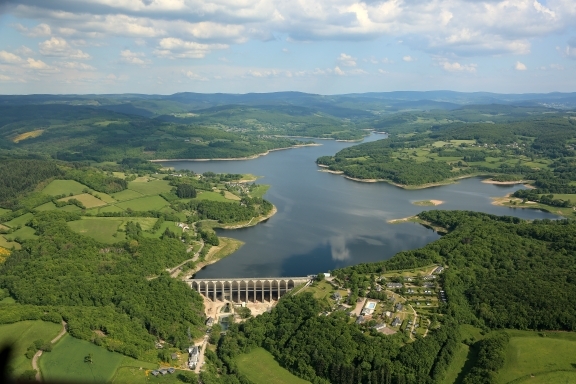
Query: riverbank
[
  {"x": 453, "y": 180},
  {"x": 226, "y": 247},
  {"x": 428, "y": 203},
  {"x": 514, "y": 202},
  {"x": 417, "y": 219},
  {"x": 252, "y": 221},
  {"x": 526, "y": 183},
  {"x": 240, "y": 158}
]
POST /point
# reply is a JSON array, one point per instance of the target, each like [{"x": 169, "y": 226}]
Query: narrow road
[
  {"x": 201, "y": 357},
  {"x": 39, "y": 353},
  {"x": 413, "y": 323},
  {"x": 174, "y": 271}
]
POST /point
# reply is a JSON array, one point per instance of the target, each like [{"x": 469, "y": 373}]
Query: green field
[
  {"x": 558, "y": 377},
  {"x": 154, "y": 187},
  {"x": 25, "y": 233},
  {"x": 46, "y": 207},
  {"x": 66, "y": 363},
  {"x": 171, "y": 225},
  {"x": 260, "y": 367},
  {"x": 87, "y": 199},
  {"x": 64, "y": 187},
  {"x": 456, "y": 365},
  {"x": 259, "y": 191},
  {"x": 4, "y": 211},
  {"x": 101, "y": 229},
  {"x": 321, "y": 290},
  {"x": 529, "y": 353},
  {"x": 148, "y": 203},
  {"x": 20, "y": 220},
  {"x": 22, "y": 334},
  {"x": 216, "y": 196},
  {"x": 126, "y": 194},
  {"x": 4, "y": 243}
]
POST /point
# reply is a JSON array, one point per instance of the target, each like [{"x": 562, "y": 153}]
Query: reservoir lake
[{"x": 326, "y": 221}]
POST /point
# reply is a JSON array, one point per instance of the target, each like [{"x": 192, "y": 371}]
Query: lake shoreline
[
  {"x": 424, "y": 186},
  {"x": 239, "y": 158},
  {"x": 259, "y": 219}
]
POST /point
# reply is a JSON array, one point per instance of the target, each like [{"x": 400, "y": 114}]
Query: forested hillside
[
  {"x": 540, "y": 149},
  {"x": 501, "y": 273}
]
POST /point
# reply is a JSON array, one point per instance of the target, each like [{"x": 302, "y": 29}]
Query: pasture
[
  {"x": 87, "y": 199},
  {"x": 102, "y": 229},
  {"x": 215, "y": 196},
  {"x": 154, "y": 187},
  {"x": 20, "y": 220},
  {"x": 66, "y": 362},
  {"x": 531, "y": 353},
  {"x": 24, "y": 233},
  {"x": 148, "y": 203},
  {"x": 8, "y": 244},
  {"x": 21, "y": 335},
  {"x": 126, "y": 194},
  {"x": 64, "y": 187},
  {"x": 260, "y": 367}
]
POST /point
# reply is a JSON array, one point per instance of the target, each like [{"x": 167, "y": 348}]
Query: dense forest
[{"x": 99, "y": 288}]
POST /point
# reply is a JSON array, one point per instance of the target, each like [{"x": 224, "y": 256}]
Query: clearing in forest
[
  {"x": 27, "y": 135},
  {"x": 148, "y": 203},
  {"x": 101, "y": 229}
]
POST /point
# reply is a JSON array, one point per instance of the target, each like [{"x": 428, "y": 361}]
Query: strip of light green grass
[{"x": 260, "y": 367}]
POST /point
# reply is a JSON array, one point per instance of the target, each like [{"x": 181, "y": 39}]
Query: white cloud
[
  {"x": 557, "y": 67},
  {"x": 462, "y": 27},
  {"x": 338, "y": 71},
  {"x": 520, "y": 66},
  {"x": 175, "y": 48},
  {"x": 77, "y": 65},
  {"x": 347, "y": 60},
  {"x": 10, "y": 58},
  {"x": 134, "y": 58},
  {"x": 194, "y": 76},
  {"x": 40, "y": 30},
  {"x": 59, "y": 47},
  {"x": 457, "y": 67},
  {"x": 5, "y": 78},
  {"x": 37, "y": 64},
  {"x": 382, "y": 72},
  {"x": 408, "y": 59},
  {"x": 24, "y": 51}
]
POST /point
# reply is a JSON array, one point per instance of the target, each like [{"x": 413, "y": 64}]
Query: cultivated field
[
  {"x": 216, "y": 196},
  {"x": 126, "y": 194},
  {"x": 20, "y": 220},
  {"x": 260, "y": 367},
  {"x": 21, "y": 335}
]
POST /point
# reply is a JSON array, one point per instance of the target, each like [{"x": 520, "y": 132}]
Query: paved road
[{"x": 39, "y": 353}]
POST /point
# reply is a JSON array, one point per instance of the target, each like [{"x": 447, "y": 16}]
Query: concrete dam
[{"x": 258, "y": 289}]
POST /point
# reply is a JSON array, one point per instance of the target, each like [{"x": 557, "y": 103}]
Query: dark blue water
[{"x": 325, "y": 221}]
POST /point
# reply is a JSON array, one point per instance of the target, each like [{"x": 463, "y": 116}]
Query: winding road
[{"x": 39, "y": 353}]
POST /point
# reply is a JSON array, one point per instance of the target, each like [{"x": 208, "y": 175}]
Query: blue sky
[{"x": 318, "y": 46}]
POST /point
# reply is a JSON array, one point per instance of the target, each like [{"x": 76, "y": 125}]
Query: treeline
[
  {"x": 97, "y": 180},
  {"x": 330, "y": 349},
  {"x": 21, "y": 176},
  {"x": 122, "y": 291},
  {"x": 225, "y": 212},
  {"x": 491, "y": 357},
  {"x": 532, "y": 195}
]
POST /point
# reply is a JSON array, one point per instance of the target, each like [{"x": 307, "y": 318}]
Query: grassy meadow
[
  {"x": 21, "y": 335},
  {"x": 546, "y": 355},
  {"x": 87, "y": 199},
  {"x": 260, "y": 367},
  {"x": 102, "y": 229},
  {"x": 66, "y": 363}
]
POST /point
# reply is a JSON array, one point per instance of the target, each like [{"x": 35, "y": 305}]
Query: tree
[
  {"x": 215, "y": 334},
  {"x": 88, "y": 358},
  {"x": 185, "y": 191},
  {"x": 320, "y": 277}
]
